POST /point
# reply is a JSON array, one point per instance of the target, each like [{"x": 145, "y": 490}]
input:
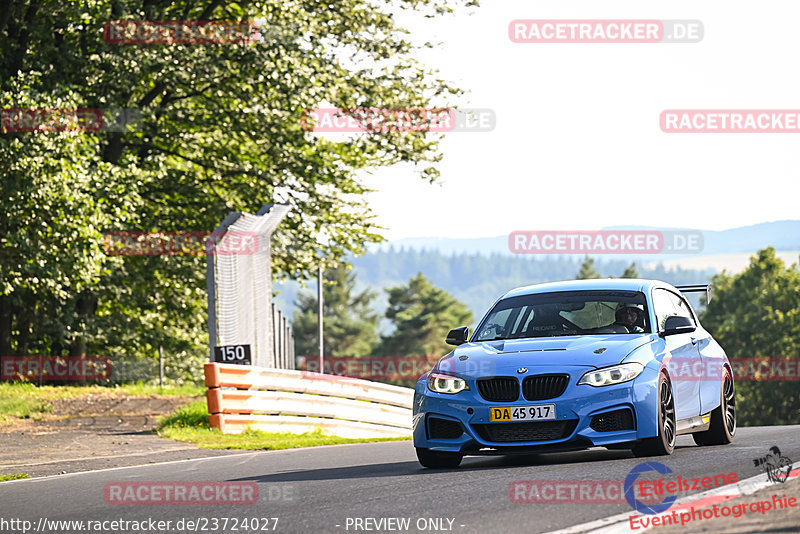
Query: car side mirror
[
  {"x": 677, "y": 324},
  {"x": 457, "y": 336}
]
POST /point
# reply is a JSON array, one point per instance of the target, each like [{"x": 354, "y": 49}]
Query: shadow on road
[{"x": 470, "y": 463}]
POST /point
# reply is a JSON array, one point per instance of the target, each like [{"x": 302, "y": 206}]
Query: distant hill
[
  {"x": 735, "y": 262},
  {"x": 478, "y": 279},
  {"x": 477, "y": 271}
]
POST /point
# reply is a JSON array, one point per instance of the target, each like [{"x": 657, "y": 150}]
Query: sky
[{"x": 577, "y": 143}]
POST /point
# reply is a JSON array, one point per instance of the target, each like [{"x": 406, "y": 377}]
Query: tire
[
  {"x": 664, "y": 443},
  {"x": 438, "y": 460},
  {"x": 723, "y": 418}
]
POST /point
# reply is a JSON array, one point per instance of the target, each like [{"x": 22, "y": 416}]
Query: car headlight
[
  {"x": 612, "y": 375},
  {"x": 439, "y": 383}
]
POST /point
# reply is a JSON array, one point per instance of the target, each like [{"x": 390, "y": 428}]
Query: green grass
[
  {"x": 19, "y": 403},
  {"x": 189, "y": 424},
  {"x": 25, "y": 400},
  {"x": 191, "y": 415},
  {"x": 13, "y": 476}
]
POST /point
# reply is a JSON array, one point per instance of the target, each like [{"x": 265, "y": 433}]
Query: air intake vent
[
  {"x": 533, "y": 431},
  {"x": 444, "y": 428},
  {"x": 541, "y": 387},
  {"x": 612, "y": 421},
  {"x": 499, "y": 389}
]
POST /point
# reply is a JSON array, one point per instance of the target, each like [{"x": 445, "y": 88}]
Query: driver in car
[{"x": 628, "y": 315}]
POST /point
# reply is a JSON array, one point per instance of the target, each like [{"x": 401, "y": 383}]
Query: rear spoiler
[{"x": 696, "y": 288}]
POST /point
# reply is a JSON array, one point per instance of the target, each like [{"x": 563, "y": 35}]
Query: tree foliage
[
  {"x": 630, "y": 271},
  {"x": 753, "y": 314},
  {"x": 422, "y": 315},
  {"x": 587, "y": 270},
  {"x": 220, "y": 129}
]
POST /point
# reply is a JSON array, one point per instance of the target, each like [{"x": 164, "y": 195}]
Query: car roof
[{"x": 618, "y": 284}]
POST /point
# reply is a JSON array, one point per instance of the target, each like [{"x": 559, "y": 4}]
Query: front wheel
[
  {"x": 438, "y": 459},
  {"x": 664, "y": 442},
  {"x": 723, "y": 418}
]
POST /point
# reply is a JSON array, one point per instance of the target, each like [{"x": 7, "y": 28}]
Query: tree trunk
[
  {"x": 5, "y": 328},
  {"x": 85, "y": 307}
]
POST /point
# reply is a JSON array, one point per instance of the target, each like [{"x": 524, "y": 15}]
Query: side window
[
  {"x": 683, "y": 308},
  {"x": 664, "y": 306}
]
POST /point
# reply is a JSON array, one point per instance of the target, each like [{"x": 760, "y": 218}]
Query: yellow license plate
[{"x": 538, "y": 412}]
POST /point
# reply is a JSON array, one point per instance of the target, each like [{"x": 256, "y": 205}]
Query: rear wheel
[
  {"x": 438, "y": 459},
  {"x": 664, "y": 442},
  {"x": 723, "y": 418}
]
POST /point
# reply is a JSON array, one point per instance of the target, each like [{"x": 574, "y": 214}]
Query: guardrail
[{"x": 280, "y": 400}]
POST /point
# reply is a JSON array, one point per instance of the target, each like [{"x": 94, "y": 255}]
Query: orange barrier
[{"x": 280, "y": 400}]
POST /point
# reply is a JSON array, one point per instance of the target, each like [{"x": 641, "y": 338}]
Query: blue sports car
[{"x": 618, "y": 363}]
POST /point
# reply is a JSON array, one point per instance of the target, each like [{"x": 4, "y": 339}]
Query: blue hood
[{"x": 488, "y": 358}]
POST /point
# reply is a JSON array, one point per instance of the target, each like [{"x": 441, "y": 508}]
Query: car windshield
[{"x": 564, "y": 314}]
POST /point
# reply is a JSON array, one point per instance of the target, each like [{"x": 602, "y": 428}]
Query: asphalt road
[{"x": 318, "y": 489}]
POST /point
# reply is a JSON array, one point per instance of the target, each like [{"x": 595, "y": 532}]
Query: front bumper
[{"x": 571, "y": 430}]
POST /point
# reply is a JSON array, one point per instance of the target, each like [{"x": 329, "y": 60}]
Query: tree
[
  {"x": 350, "y": 326},
  {"x": 221, "y": 129},
  {"x": 756, "y": 313},
  {"x": 587, "y": 270},
  {"x": 630, "y": 271},
  {"x": 422, "y": 314}
]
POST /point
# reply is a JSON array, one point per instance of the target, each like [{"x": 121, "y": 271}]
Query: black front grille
[
  {"x": 613, "y": 421},
  {"x": 541, "y": 387},
  {"x": 444, "y": 428},
  {"x": 499, "y": 388},
  {"x": 532, "y": 431}
]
